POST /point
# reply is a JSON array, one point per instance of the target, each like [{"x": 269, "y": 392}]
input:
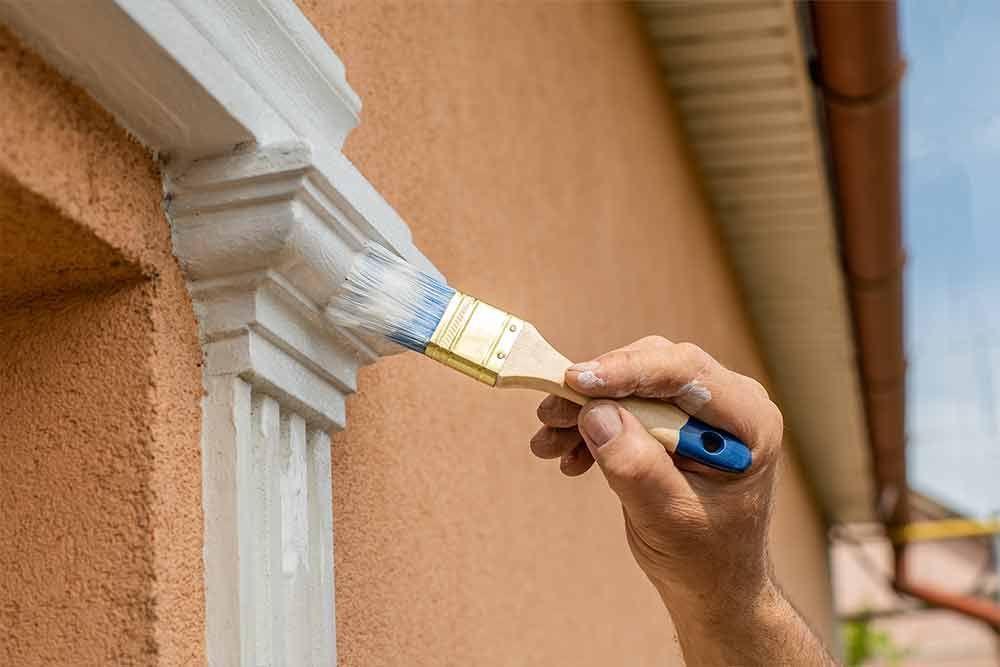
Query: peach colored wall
[
  {"x": 100, "y": 484},
  {"x": 540, "y": 165},
  {"x": 532, "y": 152}
]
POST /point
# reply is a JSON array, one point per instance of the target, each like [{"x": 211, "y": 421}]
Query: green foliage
[{"x": 863, "y": 643}]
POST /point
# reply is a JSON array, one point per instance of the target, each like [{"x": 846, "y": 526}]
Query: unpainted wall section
[
  {"x": 100, "y": 468},
  {"x": 535, "y": 155}
]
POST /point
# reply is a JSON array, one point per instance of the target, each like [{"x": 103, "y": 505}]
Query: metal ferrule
[{"x": 474, "y": 338}]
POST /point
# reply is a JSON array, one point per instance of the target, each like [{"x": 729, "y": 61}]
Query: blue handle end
[{"x": 713, "y": 447}]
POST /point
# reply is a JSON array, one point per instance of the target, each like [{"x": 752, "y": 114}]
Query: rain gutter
[{"x": 859, "y": 69}]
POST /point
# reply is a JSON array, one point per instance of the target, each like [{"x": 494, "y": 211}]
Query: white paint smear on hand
[
  {"x": 692, "y": 397},
  {"x": 590, "y": 380}
]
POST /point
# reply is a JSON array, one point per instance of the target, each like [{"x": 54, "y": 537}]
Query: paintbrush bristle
[{"x": 386, "y": 295}]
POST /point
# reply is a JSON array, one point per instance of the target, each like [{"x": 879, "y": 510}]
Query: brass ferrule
[{"x": 474, "y": 338}]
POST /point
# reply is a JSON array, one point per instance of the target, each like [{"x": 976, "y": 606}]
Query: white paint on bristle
[{"x": 386, "y": 295}]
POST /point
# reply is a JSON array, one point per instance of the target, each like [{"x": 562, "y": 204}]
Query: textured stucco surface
[
  {"x": 100, "y": 487},
  {"x": 532, "y": 151}
]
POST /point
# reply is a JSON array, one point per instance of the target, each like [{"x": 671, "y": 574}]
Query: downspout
[{"x": 859, "y": 69}]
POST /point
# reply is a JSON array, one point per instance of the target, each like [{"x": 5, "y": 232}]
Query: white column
[
  {"x": 269, "y": 531},
  {"x": 323, "y": 624},
  {"x": 259, "y": 521},
  {"x": 226, "y": 433}
]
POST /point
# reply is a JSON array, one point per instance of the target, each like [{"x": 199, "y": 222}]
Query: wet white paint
[{"x": 386, "y": 295}]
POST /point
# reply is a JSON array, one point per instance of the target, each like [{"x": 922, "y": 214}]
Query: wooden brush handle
[{"x": 534, "y": 364}]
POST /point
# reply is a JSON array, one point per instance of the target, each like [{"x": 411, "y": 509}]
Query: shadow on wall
[
  {"x": 74, "y": 467},
  {"x": 45, "y": 253}
]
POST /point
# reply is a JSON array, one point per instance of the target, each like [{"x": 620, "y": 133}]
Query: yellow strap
[{"x": 946, "y": 529}]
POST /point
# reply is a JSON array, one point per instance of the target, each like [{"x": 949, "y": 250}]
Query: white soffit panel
[{"x": 737, "y": 74}]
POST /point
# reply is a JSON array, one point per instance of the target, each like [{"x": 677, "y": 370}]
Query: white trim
[{"x": 249, "y": 108}]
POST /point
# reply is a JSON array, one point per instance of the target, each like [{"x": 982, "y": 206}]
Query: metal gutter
[{"x": 859, "y": 69}]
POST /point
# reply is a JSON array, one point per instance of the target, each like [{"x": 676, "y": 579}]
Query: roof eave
[{"x": 740, "y": 81}]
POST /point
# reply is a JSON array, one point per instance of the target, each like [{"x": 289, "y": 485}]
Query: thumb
[{"x": 634, "y": 463}]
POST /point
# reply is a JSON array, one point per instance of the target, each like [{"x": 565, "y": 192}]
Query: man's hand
[{"x": 700, "y": 535}]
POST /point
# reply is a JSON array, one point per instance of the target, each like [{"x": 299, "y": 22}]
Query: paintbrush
[{"x": 385, "y": 295}]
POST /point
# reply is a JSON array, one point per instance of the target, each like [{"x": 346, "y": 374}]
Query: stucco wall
[
  {"x": 100, "y": 470},
  {"x": 539, "y": 164},
  {"x": 531, "y": 151}
]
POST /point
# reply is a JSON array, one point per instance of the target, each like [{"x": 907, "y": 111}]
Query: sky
[{"x": 951, "y": 197}]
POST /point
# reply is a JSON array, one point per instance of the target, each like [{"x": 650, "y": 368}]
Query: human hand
[{"x": 699, "y": 534}]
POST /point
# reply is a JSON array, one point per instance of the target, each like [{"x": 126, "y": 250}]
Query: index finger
[{"x": 689, "y": 377}]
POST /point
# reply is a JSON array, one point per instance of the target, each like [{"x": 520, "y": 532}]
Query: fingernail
[
  {"x": 587, "y": 374},
  {"x": 602, "y": 423}
]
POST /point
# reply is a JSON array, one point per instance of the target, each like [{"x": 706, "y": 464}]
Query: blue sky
[{"x": 951, "y": 162}]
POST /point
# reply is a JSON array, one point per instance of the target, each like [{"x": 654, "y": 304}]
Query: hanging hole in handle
[{"x": 712, "y": 442}]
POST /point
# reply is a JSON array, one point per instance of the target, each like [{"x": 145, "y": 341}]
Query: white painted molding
[
  {"x": 193, "y": 78},
  {"x": 249, "y": 108}
]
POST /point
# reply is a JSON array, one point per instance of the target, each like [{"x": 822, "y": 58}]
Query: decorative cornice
[
  {"x": 265, "y": 237},
  {"x": 332, "y": 211},
  {"x": 193, "y": 79},
  {"x": 250, "y": 107}
]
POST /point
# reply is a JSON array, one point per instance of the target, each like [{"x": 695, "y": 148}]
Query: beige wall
[
  {"x": 100, "y": 487},
  {"x": 536, "y": 159}
]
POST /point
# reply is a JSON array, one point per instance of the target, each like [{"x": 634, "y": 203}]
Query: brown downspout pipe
[{"x": 859, "y": 69}]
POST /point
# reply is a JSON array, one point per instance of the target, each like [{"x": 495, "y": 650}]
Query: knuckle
[
  {"x": 777, "y": 428},
  {"x": 653, "y": 341},
  {"x": 622, "y": 371},
  {"x": 757, "y": 386},
  {"x": 769, "y": 431},
  {"x": 693, "y": 355},
  {"x": 631, "y": 361},
  {"x": 668, "y": 372}
]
